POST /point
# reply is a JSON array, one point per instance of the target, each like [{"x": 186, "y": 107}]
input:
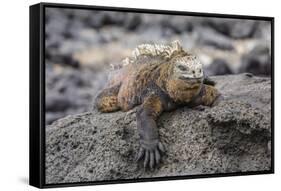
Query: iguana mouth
[
  {"x": 190, "y": 85},
  {"x": 191, "y": 80}
]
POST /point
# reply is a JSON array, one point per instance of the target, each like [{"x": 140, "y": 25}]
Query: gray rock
[
  {"x": 53, "y": 116},
  {"x": 72, "y": 29},
  {"x": 132, "y": 21},
  {"x": 258, "y": 61},
  {"x": 209, "y": 37},
  {"x": 263, "y": 30},
  {"x": 56, "y": 21},
  {"x": 234, "y": 28},
  {"x": 58, "y": 102},
  {"x": 69, "y": 91},
  {"x": 218, "y": 67},
  {"x": 233, "y": 136},
  {"x": 178, "y": 24}
]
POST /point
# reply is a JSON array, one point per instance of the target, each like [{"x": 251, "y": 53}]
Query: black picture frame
[{"x": 37, "y": 93}]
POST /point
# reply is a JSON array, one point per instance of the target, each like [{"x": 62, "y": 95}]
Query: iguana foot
[
  {"x": 151, "y": 152},
  {"x": 218, "y": 99}
]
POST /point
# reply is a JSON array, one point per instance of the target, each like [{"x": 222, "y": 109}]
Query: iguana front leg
[
  {"x": 107, "y": 100},
  {"x": 150, "y": 145},
  {"x": 208, "y": 96}
]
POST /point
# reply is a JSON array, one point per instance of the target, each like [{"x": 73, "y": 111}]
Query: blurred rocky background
[{"x": 81, "y": 45}]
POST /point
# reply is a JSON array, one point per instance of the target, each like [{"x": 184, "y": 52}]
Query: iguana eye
[{"x": 181, "y": 67}]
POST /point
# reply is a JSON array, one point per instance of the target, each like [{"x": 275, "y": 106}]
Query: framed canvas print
[{"x": 130, "y": 95}]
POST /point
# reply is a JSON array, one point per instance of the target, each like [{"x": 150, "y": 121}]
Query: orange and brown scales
[
  {"x": 108, "y": 104},
  {"x": 107, "y": 101},
  {"x": 136, "y": 81},
  {"x": 210, "y": 94},
  {"x": 179, "y": 90}
]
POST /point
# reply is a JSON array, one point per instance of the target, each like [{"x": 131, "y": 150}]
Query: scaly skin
[{"x": 156, "y": 83}]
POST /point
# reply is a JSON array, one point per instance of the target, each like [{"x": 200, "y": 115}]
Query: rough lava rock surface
[{"x": 233, "y": 136}]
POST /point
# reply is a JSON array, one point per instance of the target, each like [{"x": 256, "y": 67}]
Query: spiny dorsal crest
[
  {"x": 165, "y": 51},
  {"x": 152, "y": 50}
]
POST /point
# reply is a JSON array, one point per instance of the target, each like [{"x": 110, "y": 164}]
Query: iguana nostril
[{"x": 193, "y": 71}]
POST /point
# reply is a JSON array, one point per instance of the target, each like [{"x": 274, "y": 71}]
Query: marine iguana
[{"x": 156, "y": 78}]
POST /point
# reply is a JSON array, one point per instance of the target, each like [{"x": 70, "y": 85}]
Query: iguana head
[
  {"x": 188, "y": 68},
  {"x": 186, "y": 78}
]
